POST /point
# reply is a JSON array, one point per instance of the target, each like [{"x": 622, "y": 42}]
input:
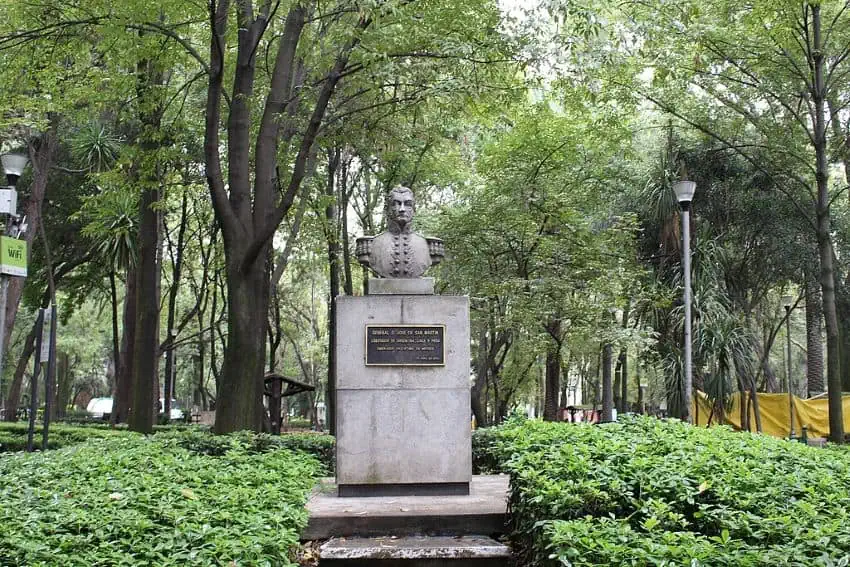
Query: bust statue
[{"x": 399, "y": 252}]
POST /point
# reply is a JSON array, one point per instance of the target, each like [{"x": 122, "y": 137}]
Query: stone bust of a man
[{"x": 399, "y": 252}]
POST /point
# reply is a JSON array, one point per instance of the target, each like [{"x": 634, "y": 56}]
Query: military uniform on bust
[{"x": 399, "y": 252}]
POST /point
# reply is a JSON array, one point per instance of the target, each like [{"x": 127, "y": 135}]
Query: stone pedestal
[
  {"x": 390, "y": 286},
  {"x": 402, "y": 429}
]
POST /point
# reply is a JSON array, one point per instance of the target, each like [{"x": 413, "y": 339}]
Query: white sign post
[{"x": 45, "y": 334}]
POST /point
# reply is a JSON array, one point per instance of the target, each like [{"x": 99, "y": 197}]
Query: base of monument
[
  {"x": 416, "y": 489},
  {"x": 400, "y": 286},
  {"x": 484, "y": 511},
  {"x": 415, "y": 551}
]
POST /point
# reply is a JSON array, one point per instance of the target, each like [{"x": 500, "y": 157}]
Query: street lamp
[
  {"x": 13, "y": 167},
  {"x": 787, "y": 302},
  {"x": 684, "y": 194}
]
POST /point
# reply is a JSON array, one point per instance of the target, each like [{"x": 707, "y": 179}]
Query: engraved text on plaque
[{"x": 405, "y": 345}]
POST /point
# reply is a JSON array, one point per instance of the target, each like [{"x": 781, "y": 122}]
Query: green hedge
[
  {"x": 299, "y": 423},
  {"x": 133, "y": 501},
  {"x": 651, "y": 492},
  {"x": 13, "y": 436},
  {"x": 317, "y": 445}
]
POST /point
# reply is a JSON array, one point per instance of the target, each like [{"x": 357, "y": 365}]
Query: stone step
[
  {"x": 415, "y": 551},
  {"x": 483, "y": 511}
]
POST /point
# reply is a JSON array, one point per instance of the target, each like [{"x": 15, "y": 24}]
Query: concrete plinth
[
  {"x": 415, "y": 551},
  {"x": 483, "y": 511},
  {"x": 402, "y": 425},
  {"x": 392, "y": 286}
]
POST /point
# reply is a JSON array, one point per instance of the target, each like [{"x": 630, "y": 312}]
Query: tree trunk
[
  {"x": 345, "y": 194},
  {"x": 143, "y": 409},
  {"x": 274, "y": 328},
  {"x": 170, "y": 331},
  {"x": 250, "y": 207},
  {"x": 122, "y": 398},
  {"x": 553, "y": 370},
  {"x": 565, "y": 393},
  {"x": 477, "y": 388},
  {"x": 617, "y": 385},
  {"x": 502, "y": 407},
  {"x": 755, "y": 401},
  {"x": 814, "y": 335},
  {"x": 116, "y": 340},
  {"x": 623, "y": 364},
  {"x": 215, "y": 334},
  {"x": 771, "y": 384},
  {"x": 145, "y": 382},
  {"x": 594, "y": 377},
  {"x": 202, "y": 347},
  {"x": 607, "y": 384},
  {"x": 332, "y": 236},
  {"x": 64, "y": 382},
  {"x": 744, "y": 398},
  {"x": 14, "y": 397},
  {"x": 641, "y": 401},
  {"x": 827, "y": 274},
  {"x": 239, "y": 402}
]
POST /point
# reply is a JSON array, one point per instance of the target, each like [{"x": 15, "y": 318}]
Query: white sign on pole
[{"x": 45, "y": 335}]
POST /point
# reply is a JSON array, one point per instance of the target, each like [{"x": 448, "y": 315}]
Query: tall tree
[
  {"x": 261, "y": 185},
  {"x": 536, "y": 240},
  {"x": 756, "y": 79}
]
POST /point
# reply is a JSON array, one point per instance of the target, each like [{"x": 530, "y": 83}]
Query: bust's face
[{"x": 401, "y": 206}]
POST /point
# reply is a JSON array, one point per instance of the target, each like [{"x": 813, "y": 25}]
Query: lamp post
[
  {"x": 607, "y": 382},
  {"x": 684, "y": 194},
  {"x": 787, "y": 302},
  {"x": 13, "y": 167}
]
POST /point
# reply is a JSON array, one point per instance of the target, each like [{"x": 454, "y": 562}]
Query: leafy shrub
[
  {"x": 76, "y": 416},
  {"x": 13, "y": 436},
  {"x": 299, "y": 423},
  {"x": 133, "y": 500},
  {"x": 486, "y": 457},
  {"x": 652, "y": 492},
  {"x": 320, "y": 446},
  {"x": 202, "y": 442},
  {"x": 176, "y": 425}
]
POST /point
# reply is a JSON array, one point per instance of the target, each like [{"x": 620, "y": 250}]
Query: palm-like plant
[
  {"x": 727, "y": 346},
  {"x": 95, "y": 147},
  {"x": 112, "y": 225}
]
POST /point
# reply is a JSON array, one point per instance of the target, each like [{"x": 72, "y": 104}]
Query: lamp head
[
  {"x": 684, "y": 191},
  {"x": 787, "y": 301},
  {"x": 13, "y": 167}
]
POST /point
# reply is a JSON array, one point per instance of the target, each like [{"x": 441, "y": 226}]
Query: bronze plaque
[{"x": 405, "y": 345}]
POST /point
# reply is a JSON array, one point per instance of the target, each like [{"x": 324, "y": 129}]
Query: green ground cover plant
[
  {"x": 13, "y": 436},
  {"x": 298, "y": 423},
  {"x": 159, "y": 500},
  {"x": 650, "y": 492},
  {"x": 317, "y": 445}
]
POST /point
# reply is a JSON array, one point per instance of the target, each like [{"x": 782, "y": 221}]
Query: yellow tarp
[{"x": 775, "y": 411}]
